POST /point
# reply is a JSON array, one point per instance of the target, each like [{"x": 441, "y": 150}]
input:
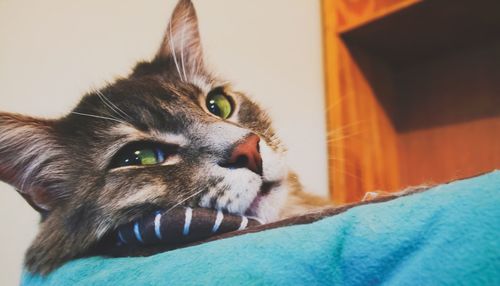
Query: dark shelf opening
[{"x": 433, "y": 63}]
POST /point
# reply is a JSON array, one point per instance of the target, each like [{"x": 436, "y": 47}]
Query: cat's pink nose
[{"x": 246, "y": 154}]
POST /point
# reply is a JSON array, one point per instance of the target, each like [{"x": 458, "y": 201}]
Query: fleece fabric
[{"x": 448, "y": 235}]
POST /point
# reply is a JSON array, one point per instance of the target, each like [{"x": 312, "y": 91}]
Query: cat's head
[{"x": 169, "y": 134}]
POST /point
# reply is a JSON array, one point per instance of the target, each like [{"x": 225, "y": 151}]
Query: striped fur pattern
[{"x": 61, "y": 166}]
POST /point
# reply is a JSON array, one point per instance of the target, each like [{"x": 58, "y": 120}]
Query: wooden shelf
[
  {"x": 368, "y": 13},
  {"x": 417, "y": 31},
  {"x": 413, "y": 92}
]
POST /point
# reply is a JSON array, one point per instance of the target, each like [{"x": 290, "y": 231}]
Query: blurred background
[
  {"x": 412, "y": 92},
  {"x": 53, "y": 51}
]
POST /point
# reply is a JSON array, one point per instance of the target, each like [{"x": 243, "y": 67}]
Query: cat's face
[{"x": 169, "y": 134}]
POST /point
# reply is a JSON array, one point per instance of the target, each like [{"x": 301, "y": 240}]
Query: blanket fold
[{"x": 448, "y": 235}]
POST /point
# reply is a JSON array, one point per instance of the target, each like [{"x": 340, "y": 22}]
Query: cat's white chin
[{"x": 267, "y": 206}]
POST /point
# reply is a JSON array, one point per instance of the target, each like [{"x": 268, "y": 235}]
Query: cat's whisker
[
  {"x": 182, "y": 47},
  {"x": 264, "y": 134},
  {"x": 276, "y": 141},
  {"x": 23, "y": 184},
  {"x": 344, "y": 148},
  {"x": 272, "y": 139},
  {"x": 342, "y": 131},
  {"x": 172, "y": 48},
  {"x": 184, "y": 200},
  {"x": 341, "y": 136},
  {"x": 101, "y": 117},
  {"x": 354, "y": 123},
  {"x": 344, "y": 137},
  {"x": 113, "y": 106},
  {"x": 112, "y": 109},
  {"x": 195, "y": 68},
  {"x": 346, "y": 126},
  {"x": 335, "y": 103},
  {"x": 267, "y": 130},
  {"x": 357, "y": 178}
]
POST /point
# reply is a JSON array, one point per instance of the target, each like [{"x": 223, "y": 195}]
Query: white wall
[{"x": 52, "y": 51}]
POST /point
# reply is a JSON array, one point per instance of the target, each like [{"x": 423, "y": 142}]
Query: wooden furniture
[{"x": 413, "y": 92}]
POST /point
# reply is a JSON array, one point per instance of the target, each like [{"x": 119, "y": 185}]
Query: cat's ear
[
  {"x": 30, "y": 159},
  {"x": 181, "y": 42}
]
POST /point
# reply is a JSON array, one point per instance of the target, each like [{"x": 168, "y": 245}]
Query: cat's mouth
[
  {"x": 252, "y": 210},
  {"x": 264, "y": 192}
]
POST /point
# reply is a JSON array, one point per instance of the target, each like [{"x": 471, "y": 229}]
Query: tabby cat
[{"x": 169, "y": 134}]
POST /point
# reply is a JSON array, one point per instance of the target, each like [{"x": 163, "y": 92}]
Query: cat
[{"x": 169, "y": 134}]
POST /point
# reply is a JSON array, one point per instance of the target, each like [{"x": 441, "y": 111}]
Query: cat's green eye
[
  {"x": 139, "y": 154},
  {"x": 219, "y": 104}
]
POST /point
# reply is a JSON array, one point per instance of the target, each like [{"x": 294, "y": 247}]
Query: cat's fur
[{"x": 61, "y": 166}]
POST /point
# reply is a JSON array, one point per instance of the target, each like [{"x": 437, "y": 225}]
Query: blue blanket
[{"x": 449, "y": 235}]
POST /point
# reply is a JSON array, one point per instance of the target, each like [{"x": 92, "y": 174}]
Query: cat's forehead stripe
[
  {"x": 202, "y": 83},
  {"x": 134, "y": 134},
  {"x": 176, "y": 139}
]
